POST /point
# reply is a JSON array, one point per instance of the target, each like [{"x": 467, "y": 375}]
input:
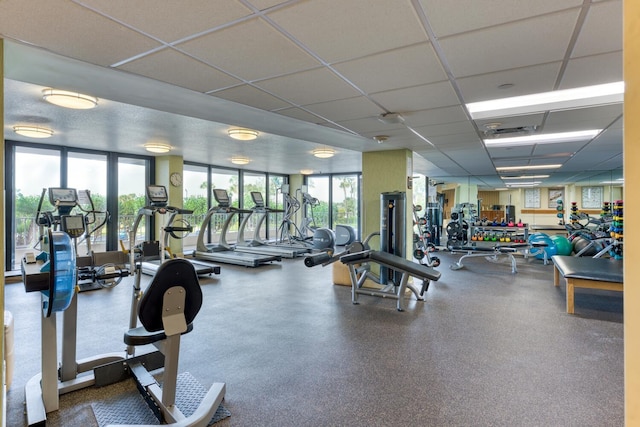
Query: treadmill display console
[
  {"x": 157, "y": 193},
  {"x": 221, "y": 196}
]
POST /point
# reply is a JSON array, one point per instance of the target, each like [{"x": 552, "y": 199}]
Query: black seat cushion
[
  {"x": 174, "y": 272},
  {"x": 603, "y": 269}
]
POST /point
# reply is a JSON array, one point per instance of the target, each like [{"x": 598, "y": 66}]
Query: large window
[
  {"x": 315, "y": 206},
  {"x": 335, "y": 200},
  {"x": 89, "y": 172},
  {"x": 344, "y": 203},
  {"x": 196, "y": 198},
  {"x": 226, "y": 179},
  {"x": 35, "y": 170},
  {"x": 275, "y": 202},
  {"x": 132, "y": 183},
  {"x": 252, "y": 181}
]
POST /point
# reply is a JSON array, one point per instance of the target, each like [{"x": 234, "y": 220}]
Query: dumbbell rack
[{"x": 516, "y": 235}]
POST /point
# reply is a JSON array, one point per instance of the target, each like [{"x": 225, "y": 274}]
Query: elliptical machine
[{"x": 318, "y": 238}]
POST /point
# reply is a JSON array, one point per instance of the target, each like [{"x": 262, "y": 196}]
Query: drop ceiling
[{"x": 311, "y": 73}]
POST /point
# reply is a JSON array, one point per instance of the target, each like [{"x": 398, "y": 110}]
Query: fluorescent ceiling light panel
[
  {"x": 581, "y": 97},
  {"x": 525, "y": 177},
  {"x": 525, "y": 184},
  {"x": 517, "y": 168},
  {"x": 543, "y": 138}
]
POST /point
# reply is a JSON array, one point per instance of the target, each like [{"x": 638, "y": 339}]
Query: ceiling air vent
[{"x": 515, "y": 131}]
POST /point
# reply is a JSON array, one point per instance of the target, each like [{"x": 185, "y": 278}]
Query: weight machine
[{"x": 395, "y": 270}]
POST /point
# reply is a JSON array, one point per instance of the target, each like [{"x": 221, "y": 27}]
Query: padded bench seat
[{"x": 585, "y": 272}]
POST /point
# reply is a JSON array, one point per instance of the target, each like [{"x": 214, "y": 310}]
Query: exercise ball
[
  {"x": 563, "y": 245},
  {"x": 582, "y": 242},
  {"x": 543, "y": 239}
]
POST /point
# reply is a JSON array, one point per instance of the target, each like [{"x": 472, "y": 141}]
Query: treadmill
[
  {"x": 223, "y": 251},
  {"x": 258, "y": 246},
  {"x": 151, "y": 254}
]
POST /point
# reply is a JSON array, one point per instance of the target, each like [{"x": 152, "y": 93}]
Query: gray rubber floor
[{"x": 485, "y": 348}]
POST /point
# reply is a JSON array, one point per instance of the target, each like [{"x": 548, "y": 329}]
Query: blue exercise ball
[{"x": 549, "y": 247}]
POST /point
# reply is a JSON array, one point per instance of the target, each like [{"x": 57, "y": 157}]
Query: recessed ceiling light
[
  {"x": 33, "y": 131},
  {"x": 243, "y": 134},
  {"x": 324, "y": 152},
  {"x": 240, "y": 160},
  {"x": 548, "y": 138},
  {"x": 529, "y": 167},
  {"x": 306, "y": 171},
  {"x": 64, "y": 98},
  {"x": 157, "y": 147},
  {"x": 610, "y": 93}
]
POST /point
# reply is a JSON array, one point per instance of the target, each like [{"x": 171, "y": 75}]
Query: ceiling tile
[
  {"x": 582, "y": 118},
  {"x": 75, "y": 32},
  {"x": 251, "y": 50},
  {"x": 338, "y": 30},
  {"x": 513, "y": 45},
  {"x": 178, "y": 69},
  {"x": 434, "y": 116},
  {"x": 381, "y": 72},
  {"x": 372, "y": 126},
  {"x": 309, "y": 87},
  {"x": 266, "y": 4},
  {"x": 457, "y": 141},
  {"x": 454, "y": 128},
  {"x": 417, "y": 98},
  {"x": 300, "y": 114},
  {"x": 346, "y": 109},
  {"x": 525, "y": 80},
  {"x": 172, "y": 21},
  {"x": 593, "y": 70},
  {"x": 602, "y": 30},
  {"x": 472, "y": 15},
  {"x": 249, "y": 95}
]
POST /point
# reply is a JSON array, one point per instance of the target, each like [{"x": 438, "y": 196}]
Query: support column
[
  {"x": 631, "y": 72},
  {"x": 386, "y": 171},
  {"x": 165, "y": 167}
]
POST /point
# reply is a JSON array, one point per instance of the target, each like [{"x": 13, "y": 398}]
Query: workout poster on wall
[
  {"x": 591, "y": 197},
  {"x": 532, "y": 198},
  {"x": 555, "y": 194}
]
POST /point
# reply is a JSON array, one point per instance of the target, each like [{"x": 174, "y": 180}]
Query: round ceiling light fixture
[
  {"x": 243, "y": 134},
  {"x": 240, "y": 160},
  {"x": 33, "y": 131},
  {"x": 306, "y": 171},
  {"x": 324, "y": 152},
  {"x": 157, "y": 147},
  {"x": 64, "y": 98}
]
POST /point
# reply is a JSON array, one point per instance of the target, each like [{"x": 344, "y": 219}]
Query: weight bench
[
  {"x": 592, "y": 273},
  {"x": 390, "y": 290},
  {"x": 497, "y": 250}
]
